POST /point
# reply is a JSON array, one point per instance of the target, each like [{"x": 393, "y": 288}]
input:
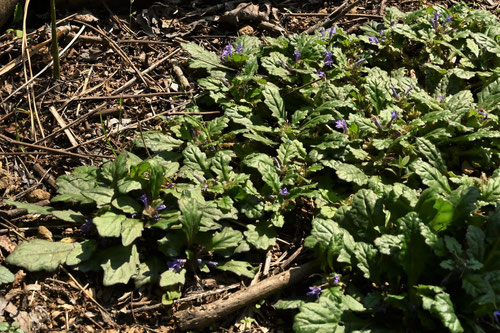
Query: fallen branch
[
  {"x": 337, "y": 14},
  {"x": 202, "y": 316}
]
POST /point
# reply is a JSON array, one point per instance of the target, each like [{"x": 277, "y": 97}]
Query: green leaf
[
  {"x": 31, "y": 208},
  {"x": 196, "y": 160},
  {"x": 414, "y": 250},
  {"x": 265, "y": 165},
  {"x": 321, "y": 317},
  {"x": 274, "y": 102},
  {"x": 215, "y": 126},
  {"x": 226, "y": 239},
  {"x": 190, "y": 218},
  {"x": 156, "y": 176},
  {"x": 81, "y": 252},
  {"x": 202, "y": 57},
  {"x": 6, "y": 276},
  {"x": 438, "y": 302},
  {"x": 489, "y": 97},
  {"x": 274, "y": 65},
  {"x": 220, "y": 165},
  {"x": 100, "y": 195},
  {"x": 347, "y": 172},
  {"x": 109, "y": 224},
  {"x": 172, "y": 277},
  {"x": 39, "y": 254},
  {"x": 262, "y": 236},
  {"x": 367, "y": 257},
  {"x": 149, "y": 272},
  {"x": 157, "y": 141},
  {"x": 126, "y": 204},
  {"x": 366, "y": 214},
  {"x": 429, "y": 150},
  {"x": 287, "y": 152},
  {"x": 119, "y": 264},
  {"x": 131, "y": 229},
  {"x": 70, "y": 187},
  {"x": 241, "y": 268},
  {"x": 288, "y": 304},
  {"x": 377, "y": 90},
  {"x": 431, "y": 176},
  {"x": 475, "y": 238}
]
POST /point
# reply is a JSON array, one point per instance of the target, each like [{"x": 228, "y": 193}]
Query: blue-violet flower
[
  {"x": 227, "y": 52},
  {"x": 375, "y": 121},
  {"x": 284, "y": 191},
  {"x": 297, "y": 55},
  {"x": 336, "y": 278},
  {"x": 373, "y": 40},
  {"x": 496, "y": 315},
  {"x": 328, "y": 59},
  {"x": 87, "y": 226},
  {"x": 341, "y": 124},
  {"x": 176, "y": 264},
  {"x": 394, "y": 92},
  {"x": 239, "y": 48},
  {"x": 320, "y": 73},
  {"x": 314, "y": 292},
  {"x": 144, "y": 199}
]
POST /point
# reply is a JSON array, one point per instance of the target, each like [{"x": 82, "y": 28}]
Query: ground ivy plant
[{"x": 382, "y": 149}]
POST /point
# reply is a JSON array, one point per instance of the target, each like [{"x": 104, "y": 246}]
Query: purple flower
[
  {"x": 328, "y": 59},
  {"x": 359, "y": 61},
  {"x": 336, "y": 278},
  {"x": 199, "y": 261},
  {"x": 496, "y": 315},
  {"x": 434, "y": 21},
  {"x": 320, "y": 73},
  {"x": 331, "y": 31},
  {"x": 284, "y": 191},
  {"x": 176, "y": 264},
  {"x": 407, "y": 93},
  {"x": 239, "y": 48},
  {"x": 440, "y": 99},
  {"x": 314, "y": 292},
  {"x": 483, "y": 113},
  {"x": 227, "y": 52},
  {"x": 278, "y": 165},
  {"x": 322, "y": 32},
  {"x": 144, "y": 199},
  {"x": 87, "y": 226},
  {"x": 448, "y": 20},
  {"x": 373, "y": 40},
  {"x": 394, "y": 116},
  {"x": 272, "y": 197},
  {"x": 394, "y": 92},
  {"x": 297, "y": 55},
  {"x": 212, "y": 263},
  {"x": 341, "y": 124},
  {"x": 160, "y": 207},
  {"x": 375, "y": 121}
]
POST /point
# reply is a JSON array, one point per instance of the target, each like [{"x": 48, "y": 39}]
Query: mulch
[{"x": 119, "y": 74}]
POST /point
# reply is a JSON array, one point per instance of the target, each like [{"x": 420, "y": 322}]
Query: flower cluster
[
  {"x": 314, "y": 292},
  {"x": 228, "y": 51}
]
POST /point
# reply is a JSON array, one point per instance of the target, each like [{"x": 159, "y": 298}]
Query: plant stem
[{"x": 55, "y": 48}]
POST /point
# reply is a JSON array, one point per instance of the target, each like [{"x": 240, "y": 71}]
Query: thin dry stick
[
  {"x": 75, "y": 122},
  {"x": 46, "y": 67},
  {"x": 62, "y": 123},
  {"x": 161, "y": 93},
  {"x": 146, "y": 71},
  {"x": 202, "y": 316},
  {"x": 62, "y": 152},
  {"x": 86, "y": 294},
  {"x": 333, "y": 17}
]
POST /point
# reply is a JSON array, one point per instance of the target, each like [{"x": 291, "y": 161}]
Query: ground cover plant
[{"x": 381, "y": 149}]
